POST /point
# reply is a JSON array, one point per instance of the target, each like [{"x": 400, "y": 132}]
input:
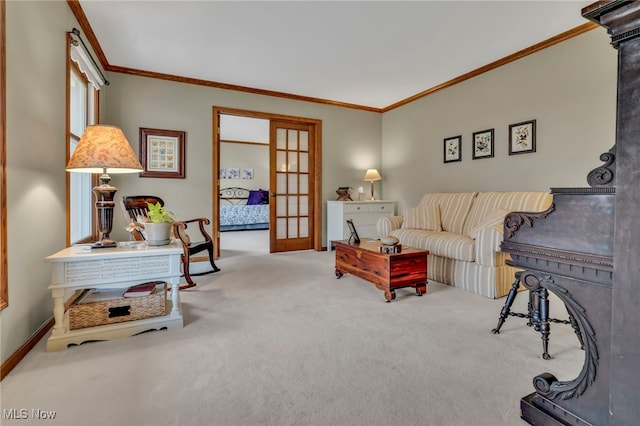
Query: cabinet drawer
[
  {"x": 382, "y": 208},
  {"x": 356, "y": 208}
]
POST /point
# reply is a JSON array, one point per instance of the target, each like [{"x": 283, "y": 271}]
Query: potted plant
[{"x": 158, "y": 226}]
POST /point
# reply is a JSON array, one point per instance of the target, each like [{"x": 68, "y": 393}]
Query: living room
[{"x": 574, "y": 126}]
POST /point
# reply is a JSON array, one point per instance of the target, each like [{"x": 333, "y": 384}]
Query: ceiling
[{"x": 366, "y": 53}]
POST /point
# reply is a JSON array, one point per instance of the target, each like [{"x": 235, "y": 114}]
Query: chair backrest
[{"x": 135, "y": 206}]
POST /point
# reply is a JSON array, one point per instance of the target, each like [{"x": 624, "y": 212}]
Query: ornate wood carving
[
  {"x": 547, "y": 384},
  {"x": 513, "y": 221},
  {"x": 604, "y": 175}
]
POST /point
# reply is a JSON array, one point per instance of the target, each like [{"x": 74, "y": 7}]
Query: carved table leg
[
  {"x": 58, "y": 311},
  {"x": 338, "y": 274},
  {"x": 504, "y": 313},
  {"x": 176, "y": 308},
  {"x": 421, "y": 289}
]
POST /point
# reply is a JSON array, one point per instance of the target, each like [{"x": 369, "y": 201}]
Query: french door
[
  {"x": 292, "y": 172},
  {"x": 295, "y": 176}
]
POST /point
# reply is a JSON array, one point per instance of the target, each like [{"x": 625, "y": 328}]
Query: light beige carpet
[{"x": 278, "y": 340}]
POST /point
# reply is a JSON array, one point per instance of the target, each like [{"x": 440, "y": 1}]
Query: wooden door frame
[{"x": 215, "y": 161}]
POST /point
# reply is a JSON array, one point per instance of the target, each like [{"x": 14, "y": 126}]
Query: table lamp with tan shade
[
  {"x": 104, "y": 149},
  {"x": 372, "y": 175}
]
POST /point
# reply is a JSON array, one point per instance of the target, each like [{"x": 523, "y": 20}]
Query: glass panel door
[{"x": 291, "y": 194}]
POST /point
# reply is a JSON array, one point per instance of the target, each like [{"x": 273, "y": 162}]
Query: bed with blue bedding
[{"x": 243, "y": 209}]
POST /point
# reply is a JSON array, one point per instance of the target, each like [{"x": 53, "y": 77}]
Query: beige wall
[
  {"x": 570, "y": 89},
  {"x": 242, "y": 156},
  {"x": 36, "y": 75},
  {"x": 350, "y": 138}
]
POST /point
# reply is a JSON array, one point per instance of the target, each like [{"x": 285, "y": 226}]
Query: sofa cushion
[
  {"x": 454, "y": 207},
  {"x": 487, "y": 202},
  {"x": 445, "y": 244},
  {"x": 493, "y": 218},
  {"x": 423, "y": 217}
]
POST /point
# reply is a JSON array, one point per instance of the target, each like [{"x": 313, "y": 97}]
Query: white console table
[{"x": 74, "y": 269}]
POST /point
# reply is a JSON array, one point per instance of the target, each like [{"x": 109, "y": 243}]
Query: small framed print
[
  {"x": 522, "y": 137},
  {"x": 453, "y": 149},
  {"x": 247, "y": 173},
  {"x": 483, "y": 144},
  {"x": 233, "y": 173},
  {"x": 162, "y": 153}
]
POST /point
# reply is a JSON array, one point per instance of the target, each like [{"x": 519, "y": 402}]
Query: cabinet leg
[{"x": 389, "y": 295}]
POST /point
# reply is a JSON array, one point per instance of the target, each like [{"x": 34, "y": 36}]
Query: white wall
[{"x": 569, "y": 88}]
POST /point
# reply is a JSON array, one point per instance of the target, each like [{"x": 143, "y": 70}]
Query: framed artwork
[
  {"x": 483, "y": 144},
  {"x": 223, "y": 173},
  {"x": 353, "y": 232},
  {"x": 233, "y": 173},
  {"x": 247, "y": 173},
  {"x": 522, "y": 137},
  {"x": 162, "y": 153},
  {"x": 453, "y": 149}
]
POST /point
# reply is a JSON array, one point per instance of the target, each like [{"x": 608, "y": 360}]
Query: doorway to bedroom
[{"x": 266, "y": 178}]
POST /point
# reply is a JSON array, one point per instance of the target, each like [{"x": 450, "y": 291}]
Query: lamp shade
[
  {"x": 372, "y": 175},
  {"x": 104, "y": 149}
]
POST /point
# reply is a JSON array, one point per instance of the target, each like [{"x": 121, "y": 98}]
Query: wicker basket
[{"x": 121, "y": 309}]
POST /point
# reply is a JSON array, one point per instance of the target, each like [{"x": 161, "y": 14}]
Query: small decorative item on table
[{"x": 344, "y": 193}]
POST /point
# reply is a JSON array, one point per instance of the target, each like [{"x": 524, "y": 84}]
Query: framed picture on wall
[
  {"x": 223, "y": 173},
  {"x": 482, "y": 144},
  {"x": 233, "y": 173},
  {"x": 522, "y": 137},
  {"x": 453, "y": 149},
  {"x": 247, "y": 173},
  {"x": 162, "y": 153}
]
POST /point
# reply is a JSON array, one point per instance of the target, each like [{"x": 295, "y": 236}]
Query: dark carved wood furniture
[
  {"x": 537, "y": 314},
  {"x": 136, "y": 206},
  {"x": 387, "y": 272},
  {"x": 586, "y": 249}
]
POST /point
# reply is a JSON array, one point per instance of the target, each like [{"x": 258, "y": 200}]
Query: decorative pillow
[
  {"x": 423, "y": 217},
  {"x": 493, "y": 218},
  {"x": 258, "y": 197}
]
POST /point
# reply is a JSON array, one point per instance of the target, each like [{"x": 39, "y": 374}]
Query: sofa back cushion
[
  {"x": 487, "y": 204},
  {"x": 423, "y": 217},
  {"x": 454, "y": 207}
]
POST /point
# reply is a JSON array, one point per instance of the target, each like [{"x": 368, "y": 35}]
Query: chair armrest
[
  {"x": 180, "y": 227},
  {"x": 386, "y": 224}
]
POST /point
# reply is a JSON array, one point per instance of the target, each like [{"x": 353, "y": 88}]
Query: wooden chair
[{"x": 135, "y": 208}]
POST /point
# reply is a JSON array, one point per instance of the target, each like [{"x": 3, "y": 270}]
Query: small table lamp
[
  {"x": 372, "y": 175},
  {"x": 104, "y": 149}
]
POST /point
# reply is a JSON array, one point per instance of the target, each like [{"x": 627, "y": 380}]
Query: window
[{"x": 82, "y": 106}]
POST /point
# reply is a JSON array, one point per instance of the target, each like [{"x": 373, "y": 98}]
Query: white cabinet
[{"x": 364, "y": 215}]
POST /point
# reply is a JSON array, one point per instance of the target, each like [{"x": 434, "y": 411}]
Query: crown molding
[{"x": 93, "y": 41}]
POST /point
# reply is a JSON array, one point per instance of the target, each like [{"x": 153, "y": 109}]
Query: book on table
[{"x": 143, "y": 289}]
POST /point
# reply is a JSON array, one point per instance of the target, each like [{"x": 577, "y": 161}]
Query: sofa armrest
[
  {"x": 488, "y": 245},
  {"x": 386, "y": 224}
]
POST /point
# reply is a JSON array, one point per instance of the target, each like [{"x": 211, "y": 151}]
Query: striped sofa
[{"x": 463, "y": 232}]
